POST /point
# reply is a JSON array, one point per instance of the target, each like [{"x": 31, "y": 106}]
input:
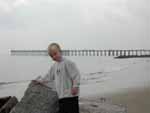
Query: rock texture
[
  {"x": 7, "y": 103},
  {"x": 37, "y": 99}
]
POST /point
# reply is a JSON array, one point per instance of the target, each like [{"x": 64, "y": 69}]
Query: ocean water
[{"x": 99, "y": 75}]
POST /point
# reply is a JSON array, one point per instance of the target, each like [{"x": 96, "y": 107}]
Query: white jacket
[{"x": 65, "y": 75}]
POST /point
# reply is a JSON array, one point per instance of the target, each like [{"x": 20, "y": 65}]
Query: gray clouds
[{"x": 101, "y": 24}]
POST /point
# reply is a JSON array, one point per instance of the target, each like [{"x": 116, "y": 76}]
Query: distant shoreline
[{"x": 144, "y": 56}]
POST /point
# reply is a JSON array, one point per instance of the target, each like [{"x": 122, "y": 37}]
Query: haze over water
[{"x": 95, "y": 71}]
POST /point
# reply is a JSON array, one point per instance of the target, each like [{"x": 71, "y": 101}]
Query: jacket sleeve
[
  {"x": 48, "y": 79},
  {"x": 49, "y": 76},
  {"x": 74, "y": 73}
]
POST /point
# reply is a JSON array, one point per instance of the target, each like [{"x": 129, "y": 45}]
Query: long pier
[{"x": 114, "y": 53}]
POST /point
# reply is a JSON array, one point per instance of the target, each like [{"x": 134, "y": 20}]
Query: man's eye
[{"x": 54, "y": 54}]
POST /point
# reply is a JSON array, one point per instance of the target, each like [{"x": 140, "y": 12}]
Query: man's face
[{"x": 54, "y": 53}]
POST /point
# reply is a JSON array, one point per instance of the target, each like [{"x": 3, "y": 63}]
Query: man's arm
[
  {"x": 47, "y": 79},
  {"x": 74, "y": 73}
]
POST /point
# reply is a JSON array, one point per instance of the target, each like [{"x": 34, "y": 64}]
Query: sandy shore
[
  {"x": 134, "y": 100},
  {"x": 129, "y": 88},
  {"x": 99, "y": 106}
]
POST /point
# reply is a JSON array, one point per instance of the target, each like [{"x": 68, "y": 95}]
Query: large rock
[{"x": 37, "y": 99}]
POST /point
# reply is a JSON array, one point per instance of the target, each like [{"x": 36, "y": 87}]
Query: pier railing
[{"x": 115, "y": 53}]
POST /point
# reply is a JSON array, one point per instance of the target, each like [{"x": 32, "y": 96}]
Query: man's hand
[{"x": 74, "y": 90}]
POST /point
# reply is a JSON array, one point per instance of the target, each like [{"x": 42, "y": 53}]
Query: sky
[{"x": 74, "y": 24}]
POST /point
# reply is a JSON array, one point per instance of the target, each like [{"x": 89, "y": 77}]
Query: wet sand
[{"x": 135, "y": 100}]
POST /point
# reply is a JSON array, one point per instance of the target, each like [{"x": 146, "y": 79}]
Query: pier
[{"x": 114, "y": 53}]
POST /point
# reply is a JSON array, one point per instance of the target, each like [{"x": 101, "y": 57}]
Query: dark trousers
[{"x": 69, "y": 105}]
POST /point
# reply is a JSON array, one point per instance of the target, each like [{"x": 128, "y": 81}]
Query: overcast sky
[{"x": 75, "y": 24}]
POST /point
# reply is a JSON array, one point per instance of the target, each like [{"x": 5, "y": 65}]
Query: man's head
[{"x": 54, "y": 51}]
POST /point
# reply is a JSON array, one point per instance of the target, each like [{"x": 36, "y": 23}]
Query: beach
[
  {"x": 122, "y": 82},
  {"x": 136, "y": 100},
  {"x": 134, "y": 95}
]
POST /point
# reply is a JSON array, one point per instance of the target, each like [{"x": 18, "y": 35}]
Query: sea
[
  {"x": 123, "y": 81},
  {"x": 100, "y": 75}
]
